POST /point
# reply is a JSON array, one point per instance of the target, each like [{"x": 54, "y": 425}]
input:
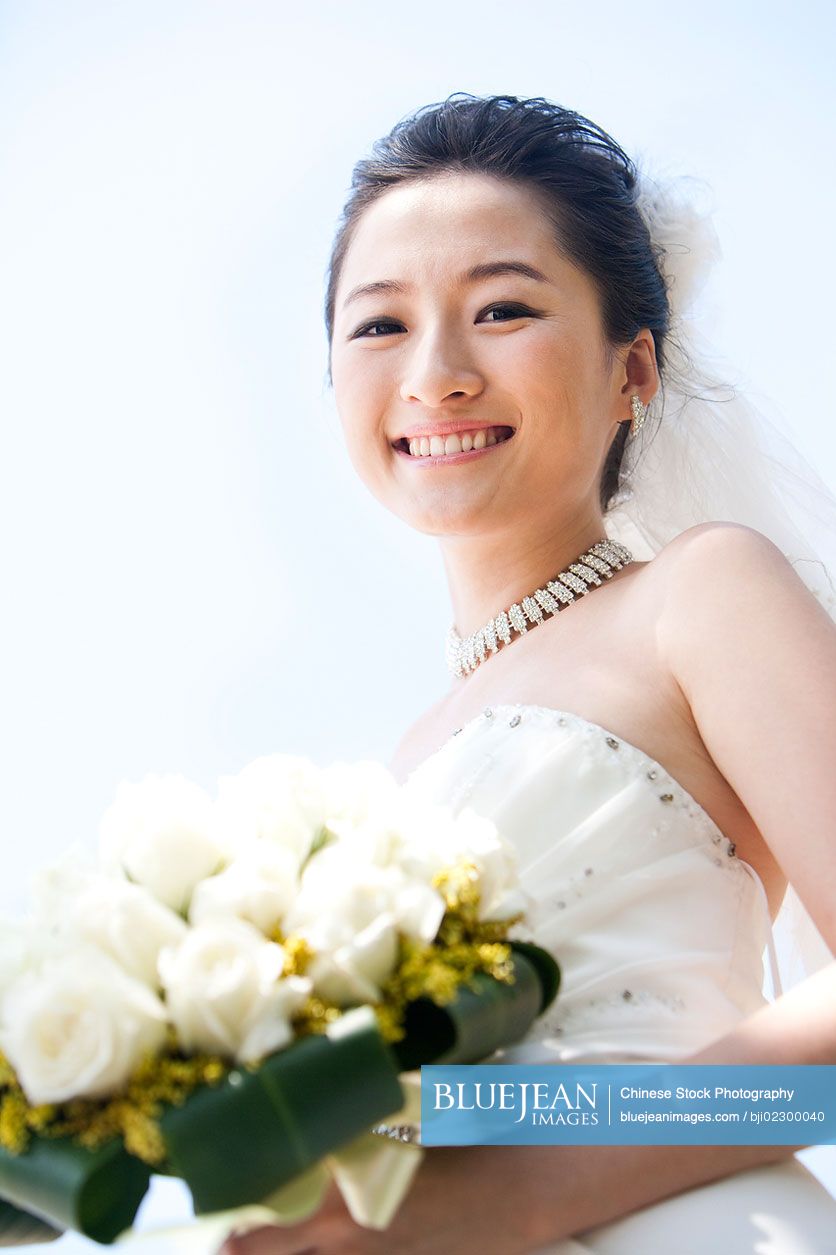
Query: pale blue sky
[{"x": 192, "y": 574}]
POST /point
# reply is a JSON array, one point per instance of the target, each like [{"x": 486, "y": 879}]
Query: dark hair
[{"x": 584, "y": 180}]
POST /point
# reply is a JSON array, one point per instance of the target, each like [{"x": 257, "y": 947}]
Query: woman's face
[{"x": 432, "y": 350}]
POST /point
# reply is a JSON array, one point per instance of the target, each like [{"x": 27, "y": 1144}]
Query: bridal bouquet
[{"x": 239, "y": 988}]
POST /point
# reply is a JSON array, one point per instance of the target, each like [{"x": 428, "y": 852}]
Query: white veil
[{"x": 705, "y": 453}]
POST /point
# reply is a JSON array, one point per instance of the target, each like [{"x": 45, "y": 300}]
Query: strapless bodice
[{"x": 658, "y": 927}]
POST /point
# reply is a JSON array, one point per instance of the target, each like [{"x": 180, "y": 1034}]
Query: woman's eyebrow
[{"x": 485, "y": 270}]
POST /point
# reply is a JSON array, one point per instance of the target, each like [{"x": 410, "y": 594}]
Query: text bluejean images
[{"x": 628, "y": 1104}]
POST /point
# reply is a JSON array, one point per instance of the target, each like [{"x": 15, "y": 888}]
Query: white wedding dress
[{"x": 659, "y": 930}]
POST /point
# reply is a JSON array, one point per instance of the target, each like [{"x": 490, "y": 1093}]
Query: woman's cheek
[{"x": 367, "y": 451}]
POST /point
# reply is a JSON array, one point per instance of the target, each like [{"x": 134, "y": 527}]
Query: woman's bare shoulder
[
  {"x": 705, "y": 543},
  {"x": 714, "y": 568}
]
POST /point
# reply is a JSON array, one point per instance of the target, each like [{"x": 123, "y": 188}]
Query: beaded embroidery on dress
[{"x": 659, "y": 929}]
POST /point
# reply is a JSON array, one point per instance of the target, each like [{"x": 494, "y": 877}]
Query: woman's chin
[{"x": 450, "y": 518}]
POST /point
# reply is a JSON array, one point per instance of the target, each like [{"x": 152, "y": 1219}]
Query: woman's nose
[{"x": 435, "y": 372}]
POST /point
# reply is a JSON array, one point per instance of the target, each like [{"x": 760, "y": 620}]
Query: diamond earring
[{"x": 639, "y": 411}]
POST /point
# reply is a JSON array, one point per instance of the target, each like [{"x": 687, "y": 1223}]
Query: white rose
[
  {"x": 375, "y": 840},
  {"x": 497, "y": 863},
  {"x": 277, "y": 798},
  {"x": 225, "y": 992},
  {"x": 357, "y": 791},
  {"x": 342, "y": 893},
  {"x": 355, "y": 972},
  {"x": 442, "y": 840},
  {"x": 418, "y": 910},
  {"x": 122, "y": 919},
  {"x": 258, "y": 886},
  {"x": 352, "y": 916},
  {"x": 161, "y": 833},
  {"x": 393, "y": 826},
  {"x": 372, "y": 817},
  {"x": 78, "y": 1026}
]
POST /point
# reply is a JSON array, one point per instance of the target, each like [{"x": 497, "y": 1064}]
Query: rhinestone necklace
[{"x": 464, "y": 655}]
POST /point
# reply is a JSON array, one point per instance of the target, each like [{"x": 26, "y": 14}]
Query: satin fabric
[{"x": 659, "y": 929}]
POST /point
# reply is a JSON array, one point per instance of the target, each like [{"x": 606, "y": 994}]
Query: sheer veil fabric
[{"x": 706, "y": 452}]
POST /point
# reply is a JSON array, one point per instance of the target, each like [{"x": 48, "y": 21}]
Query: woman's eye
[
  {"x": 364, "y": 331},
  {"x": 513, "y": 311}
]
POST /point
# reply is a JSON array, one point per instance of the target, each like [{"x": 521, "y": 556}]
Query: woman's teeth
[{"x": 437, "y": 446}]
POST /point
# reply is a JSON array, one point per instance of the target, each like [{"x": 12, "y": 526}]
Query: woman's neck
[{"x": 488, "y": 573}]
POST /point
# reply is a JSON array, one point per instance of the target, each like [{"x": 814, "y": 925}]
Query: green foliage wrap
[
  {"x": 239, "y": 1141},
  {"x": 96, "y": 1192}
]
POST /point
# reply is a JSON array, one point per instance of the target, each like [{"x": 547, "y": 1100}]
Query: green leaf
[
  {"x": 243, "y": 1139},
  {"x": 96, "y": 1192},
  {"x": 547, "y": 969},
  {"x": 477, "y": 1021}
]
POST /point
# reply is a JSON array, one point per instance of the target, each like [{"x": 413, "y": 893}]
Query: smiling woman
[
  {"x": 440, "y": 361},
  {"x": 503, "y": 314}
]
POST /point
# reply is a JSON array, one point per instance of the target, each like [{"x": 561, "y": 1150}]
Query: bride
[{"x": 642, "y": 702}]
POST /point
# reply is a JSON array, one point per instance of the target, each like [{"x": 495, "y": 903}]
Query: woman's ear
[{"x": 640, "y": 373}]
